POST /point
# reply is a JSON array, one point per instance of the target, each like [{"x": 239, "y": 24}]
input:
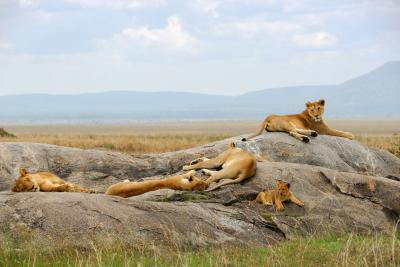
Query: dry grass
[
  {"x": 157, "y": 138},
  {"x": 151, "y": 143},
  {"x": 390, "y": 143},
  {"x": 158, "y": 143}
]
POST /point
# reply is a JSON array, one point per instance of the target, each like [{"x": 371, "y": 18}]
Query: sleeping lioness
[
  {"x": 235, "y": 165},
  {"x": 45, "y": 182},
  {"x": 300, "y": 126},
  {"x": 277, "y": 196},
  {"x": 184, "y": 182}
]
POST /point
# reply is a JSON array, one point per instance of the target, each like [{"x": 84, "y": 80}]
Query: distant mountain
[{"x": 375, "y": 94}]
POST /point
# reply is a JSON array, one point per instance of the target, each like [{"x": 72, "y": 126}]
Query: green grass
[{"x": 345, "y": 250}]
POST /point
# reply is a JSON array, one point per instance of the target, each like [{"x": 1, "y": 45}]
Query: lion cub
[
  {"x": 278, "y": 196},
  {"x": 45, "y": 182}
]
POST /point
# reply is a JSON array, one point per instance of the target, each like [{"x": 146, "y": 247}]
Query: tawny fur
[
  {"x": 300, "y": 126},
  {"x": 185, "y": 182},
  {"x": 277, "y": 196},
  {"x": 45, "y": 182},
  {"x": 237, "y": 165}
]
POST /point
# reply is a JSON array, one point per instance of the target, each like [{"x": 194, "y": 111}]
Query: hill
[{"x": 374, "y": 94}]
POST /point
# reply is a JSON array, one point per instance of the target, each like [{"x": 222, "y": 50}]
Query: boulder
[
  {"x": 99, "y": 169},
  {"x": 343, "y": 183}
]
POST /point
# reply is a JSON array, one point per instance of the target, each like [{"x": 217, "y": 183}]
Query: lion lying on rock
[
  {"x": 277, "y": 196},
  {"x": 45, "y": 182},
  {"x": 235, "y": 163},
  {"x": 185, "y": 182},
  {"x": 300, "y": 126}
]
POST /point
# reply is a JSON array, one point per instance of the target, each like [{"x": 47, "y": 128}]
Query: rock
[
  {"x": 78, "y": 219},
  {"x": 99, "y": 169},
  {"x": 342, "y": 183}
]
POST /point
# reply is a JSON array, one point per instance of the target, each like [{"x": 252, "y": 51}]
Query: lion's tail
[
  {"x": 222, "y": 184},
  {"x": 260, "y": 131}
]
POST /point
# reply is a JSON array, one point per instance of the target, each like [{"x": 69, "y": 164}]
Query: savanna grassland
[{"x": 140, "y": 138}]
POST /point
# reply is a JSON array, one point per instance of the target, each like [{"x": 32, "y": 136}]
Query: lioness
[
  {"x": 277, "y": 196},
  {"x": 185, "y": 182},
  {"x": 237, "y": 165},
  {"x": 309, "y": 122},
  {"x": 45, "y": 182}
]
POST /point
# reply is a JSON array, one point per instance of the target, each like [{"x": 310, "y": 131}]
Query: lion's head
[
  {"x": 283, "y": 188},
  {"x": 189, "y": 182},
  {"x": 315, "y": 110},
  {"x": 24, "y": 183}
]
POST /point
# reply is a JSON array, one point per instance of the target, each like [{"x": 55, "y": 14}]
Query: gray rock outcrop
[{"x": 344, "y": 184}]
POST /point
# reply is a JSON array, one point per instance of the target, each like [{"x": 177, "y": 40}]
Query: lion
[
  {"x": 235, "y": 163},
  {"x": 277, "y": 196},
  {"x": 309, "y": 122},
  {"x": 45, "y": 182},
  {"x": 185, "y": 182}
]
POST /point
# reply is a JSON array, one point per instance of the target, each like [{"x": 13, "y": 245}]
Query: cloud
[
  {"x": 314, "y": 40},
  {"x": 116, "y": 4},
  {"x": 19, "y": 3},
  {"x": 28, "y": 3},
  {"x": 210, "y": 7},
  {"x": 253, "y": 27},
  {"x": 4, "y": 45},
  {"x": 172, "y": 35}
]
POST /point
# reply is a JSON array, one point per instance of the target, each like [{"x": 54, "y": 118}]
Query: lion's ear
[
  {"x": 288, "y": 185},
  {"x": 308, "y": 104},
  {"x": 279, "y": 182},
  {"x": 232, "y": 144},
  {"x": 322, "y": 102},
  {"x": 23, "y": 172},
  {"x": 190, "y": 179}
]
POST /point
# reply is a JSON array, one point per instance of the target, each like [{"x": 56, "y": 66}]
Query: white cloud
[
  {"x": 19, "y": 3},
  {"x": 172, "y": 35},
  {"x": 116, "y": 3},
  {"x": 210, "y": 6},
  {"x": 28, "y": 3},
  {"x": 4, "y": 45},
  {"x": 271, "y": 27},
  {"x": 314, "y": 40}
]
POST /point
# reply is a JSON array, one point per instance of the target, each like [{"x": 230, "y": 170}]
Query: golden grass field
[{"x": 162, "y": 137}]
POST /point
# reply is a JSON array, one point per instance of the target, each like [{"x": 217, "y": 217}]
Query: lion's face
[
  {"x": 283, "y": 188},
  {"x": 24, "y": 183},
  {"x": 315, "y": 110},
  {"x": 198, "y": 184},
  {"x": 190, "y": 182}
]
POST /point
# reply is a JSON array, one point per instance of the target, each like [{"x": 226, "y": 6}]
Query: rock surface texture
[{"x": 346, "y": 186}]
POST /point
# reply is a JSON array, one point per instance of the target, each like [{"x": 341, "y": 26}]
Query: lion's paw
[{"x": 186, "y": 168}]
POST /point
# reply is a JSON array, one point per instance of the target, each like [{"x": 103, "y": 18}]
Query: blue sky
[{"x": 209, "y": 46}]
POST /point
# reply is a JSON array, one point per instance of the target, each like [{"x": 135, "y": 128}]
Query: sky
[{"x": 209, "y": 46}]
